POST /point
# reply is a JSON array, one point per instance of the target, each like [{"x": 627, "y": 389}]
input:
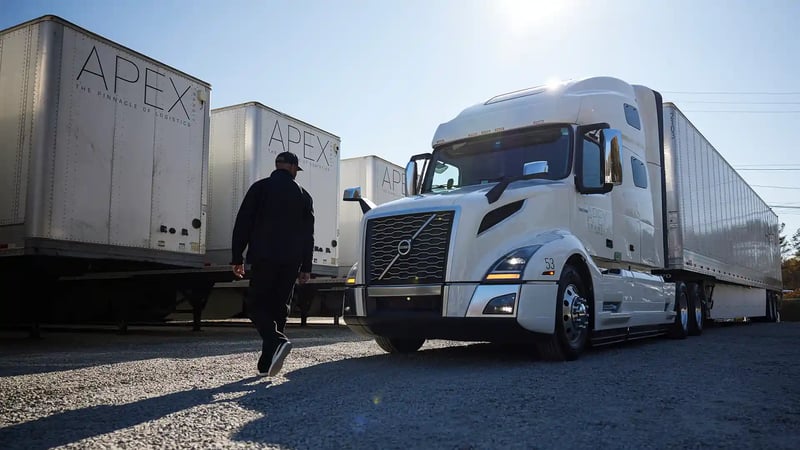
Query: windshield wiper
[{"x": 494, "y": 193}]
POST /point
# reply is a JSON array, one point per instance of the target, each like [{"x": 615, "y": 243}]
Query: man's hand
[
  {"x": 303, "y": 277},
  {"x": 238, "y": 270}
]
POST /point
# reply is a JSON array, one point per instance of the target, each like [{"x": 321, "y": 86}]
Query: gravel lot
[{"x": 734, "y": 387}]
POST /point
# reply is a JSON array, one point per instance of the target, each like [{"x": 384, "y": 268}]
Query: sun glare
[{"x": 523, "y": 17}]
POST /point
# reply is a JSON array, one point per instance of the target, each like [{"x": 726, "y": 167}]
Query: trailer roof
[
  {"x": 53, "y": 18},
  {"x": 263, "y": 106}
]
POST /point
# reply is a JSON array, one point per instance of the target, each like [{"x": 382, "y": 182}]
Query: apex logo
[{"x": 128, "y": 72}]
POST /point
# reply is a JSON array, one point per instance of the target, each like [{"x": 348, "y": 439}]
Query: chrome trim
[{"x": 400, "y": 291}]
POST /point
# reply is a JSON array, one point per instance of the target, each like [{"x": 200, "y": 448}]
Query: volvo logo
[{"x": 404, "y": 247}]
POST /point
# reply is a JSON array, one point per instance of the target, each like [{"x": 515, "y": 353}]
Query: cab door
[{"x": 592, "y": 218}]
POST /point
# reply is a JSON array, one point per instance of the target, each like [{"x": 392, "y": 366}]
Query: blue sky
[{"x": 382, "y": 74}]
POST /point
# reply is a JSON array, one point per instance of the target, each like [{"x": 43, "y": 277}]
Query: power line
[
  {"x": 742, "y": 111},
  {"x": 739, "y": 103},
  {"x": 767, "y": 165},
  {"x": 768, "y": 170},
  {"x": 775, "y": 187},
  {"x": 732, "y": 92},
  {"x": 784, "y": 206}
]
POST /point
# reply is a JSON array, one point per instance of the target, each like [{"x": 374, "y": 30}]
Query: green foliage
[{"x": 790, "y": 273}]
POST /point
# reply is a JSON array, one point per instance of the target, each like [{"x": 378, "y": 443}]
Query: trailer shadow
[{"x": 71, "y": 349}]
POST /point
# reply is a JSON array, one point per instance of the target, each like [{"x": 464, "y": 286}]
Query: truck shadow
[{"x": 336, "y": 404}]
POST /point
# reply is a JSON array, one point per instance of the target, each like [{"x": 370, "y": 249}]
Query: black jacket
[{"x": 275, "y": 223}]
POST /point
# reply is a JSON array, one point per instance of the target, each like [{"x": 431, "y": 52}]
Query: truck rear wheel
[
  {"x": 572, "y": 319},
  {"x": 696, "y": 309},
  {"x": 680, "y": 327},
  {"x": 399, "y": 345}
]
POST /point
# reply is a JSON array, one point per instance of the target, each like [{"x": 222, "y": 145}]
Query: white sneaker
[{"x": 278, "y": 357}]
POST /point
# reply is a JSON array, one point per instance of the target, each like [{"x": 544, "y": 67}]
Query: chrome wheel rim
[
  {"x": 684, "y": 315},
  {"x": 698, "y": 316},
  {"x": 575, "y": 317}
]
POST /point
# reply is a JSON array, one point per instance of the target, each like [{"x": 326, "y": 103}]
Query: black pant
[{"x": 267, "y": 301}]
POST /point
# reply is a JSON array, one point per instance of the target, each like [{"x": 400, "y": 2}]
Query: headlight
[
  {"x": 351, "y": 275},
  {"x": 511, "y": 266}
]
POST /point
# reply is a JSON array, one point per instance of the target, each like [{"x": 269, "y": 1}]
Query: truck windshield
[{"x": 544, "y": 151}]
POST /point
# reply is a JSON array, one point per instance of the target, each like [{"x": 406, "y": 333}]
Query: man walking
[{"x": 276, "y": 224}]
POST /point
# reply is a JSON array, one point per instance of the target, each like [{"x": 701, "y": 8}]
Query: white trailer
[
  {"x": 103, "y": 156},
  {"x": 245, "y": 139},
  {"x": 380, "y": 181},
  {"x": 588, "y": 211}
]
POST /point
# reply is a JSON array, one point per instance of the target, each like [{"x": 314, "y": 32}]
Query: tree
[
  {"x": 790, "y": 272},
  {"x": 790, "y": 247},
  {"x": 794, "y": 243}
]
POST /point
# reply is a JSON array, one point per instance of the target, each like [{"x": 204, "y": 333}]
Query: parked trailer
[
  {"x": 582, "y": 212},
  {"x": 103, "y": 162},
  {"x": 245, "y": 139},
  {"x": 380, "y": 181},
  {"x": 718, "y": 228}
]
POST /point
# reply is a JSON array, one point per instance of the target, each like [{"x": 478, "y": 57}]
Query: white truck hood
[{"x": 545, "y": 207}]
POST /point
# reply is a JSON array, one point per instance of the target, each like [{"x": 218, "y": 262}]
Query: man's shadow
[{"x": 75, "y": 425}]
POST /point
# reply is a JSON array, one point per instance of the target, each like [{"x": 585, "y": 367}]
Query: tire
[
  {"x": 696, "y": 309},
  {"x": 680, "y": 327},
  {"x": 399, "y": 345},
  {"x": 573, "y": 319},
  {"x": 772, "y": 307}
]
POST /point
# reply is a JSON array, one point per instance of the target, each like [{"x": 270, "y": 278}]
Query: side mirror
[
  {"x": 354, "y": 195},
  {"x": 534, "y": 167},
  {"x": 410, "y": 188},
  {"x": 611, "y": 143}
]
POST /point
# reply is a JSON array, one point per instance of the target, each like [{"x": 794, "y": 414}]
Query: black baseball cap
[{"x": 287, "y": 158}]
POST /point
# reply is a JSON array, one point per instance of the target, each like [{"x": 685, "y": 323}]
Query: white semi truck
[
  {"x": 587, "y": 212},
  {"x": 103, "y": 166}
]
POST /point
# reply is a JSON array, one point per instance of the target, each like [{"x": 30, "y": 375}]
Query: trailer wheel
[
  {"x": 696, "y": 309},
  {"x": 572, "y": 319},
  {"x": 772, "y": 307},
  {"x": 680, "y": 327},
  {"x": 399, "y": 345}
]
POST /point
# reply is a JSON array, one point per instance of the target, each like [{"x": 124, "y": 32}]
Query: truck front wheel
[
  {"x": 399, "y": 345},
  {"x": 572, "y": 319}
]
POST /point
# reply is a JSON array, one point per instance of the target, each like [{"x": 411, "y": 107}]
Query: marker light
[
  {"x": 503, "y": 276},
  {"x": 351, "y": 275}
]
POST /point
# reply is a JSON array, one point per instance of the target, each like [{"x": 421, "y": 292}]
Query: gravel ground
[{"x": 734, "y": 387}]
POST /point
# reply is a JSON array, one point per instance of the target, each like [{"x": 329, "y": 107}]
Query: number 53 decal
[{"x": 549, "y": 264}]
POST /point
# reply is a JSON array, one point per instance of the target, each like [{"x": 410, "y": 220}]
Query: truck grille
[{"x": 408, "y": 249}]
